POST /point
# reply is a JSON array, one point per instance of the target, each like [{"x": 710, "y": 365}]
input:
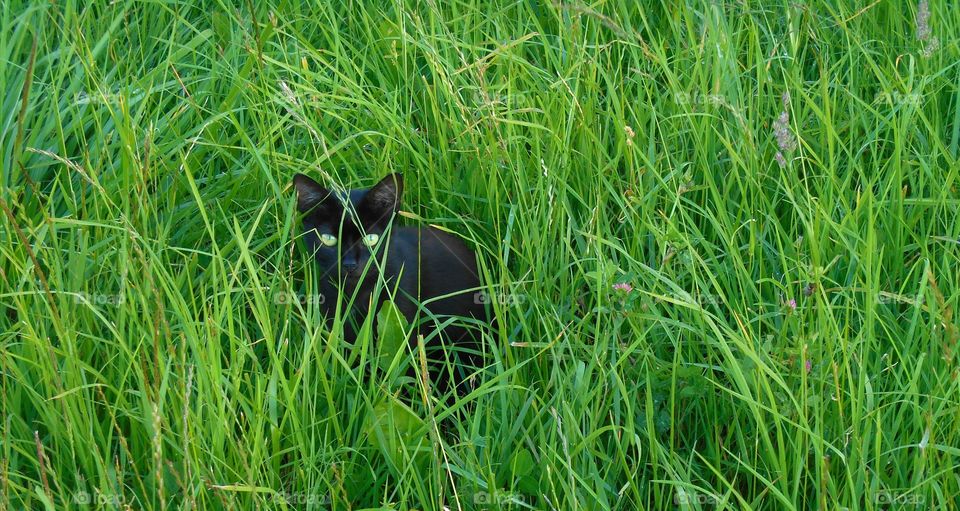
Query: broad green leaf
[
  {"x": 397, "y": 432},
  {"x": 391, "y": 335}
]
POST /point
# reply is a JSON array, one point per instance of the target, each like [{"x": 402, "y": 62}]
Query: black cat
[{"x": 356, "y": 242}]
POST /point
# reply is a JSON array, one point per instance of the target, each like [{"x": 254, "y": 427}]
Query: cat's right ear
[{"x": 309, "y": 193}]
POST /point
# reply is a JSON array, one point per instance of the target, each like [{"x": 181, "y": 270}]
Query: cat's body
[{"x": 355, "y": 244}]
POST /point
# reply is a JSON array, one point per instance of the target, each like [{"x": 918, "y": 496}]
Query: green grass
[{"x": 148, "y": 229}]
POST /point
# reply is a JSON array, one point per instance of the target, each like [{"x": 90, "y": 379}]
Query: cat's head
[{"x": 344, "y": 230}]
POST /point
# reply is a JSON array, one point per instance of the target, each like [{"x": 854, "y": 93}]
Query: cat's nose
[{"x": 349, "y": 266}]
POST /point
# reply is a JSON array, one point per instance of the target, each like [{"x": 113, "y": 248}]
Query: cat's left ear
[
  {"x": 309, "y": 193},
  {"x": 383, "y": 200}
]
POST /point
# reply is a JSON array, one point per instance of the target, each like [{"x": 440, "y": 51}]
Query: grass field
[{"x": 772, "y": 187}]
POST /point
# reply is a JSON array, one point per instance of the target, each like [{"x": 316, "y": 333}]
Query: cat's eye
[
  {"x": 371, "y": 239},
  {"x": 328, "y": 239}
]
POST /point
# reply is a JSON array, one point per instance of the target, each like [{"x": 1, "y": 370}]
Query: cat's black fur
[{"x": 426, "y": 265}]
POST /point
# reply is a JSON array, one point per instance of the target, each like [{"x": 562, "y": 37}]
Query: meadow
[{"x": 721, "y": 240}]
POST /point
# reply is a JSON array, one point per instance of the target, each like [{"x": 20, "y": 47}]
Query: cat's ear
[
  {"x": 309, "y": 193},
  {"x": 383, "y": 199}
]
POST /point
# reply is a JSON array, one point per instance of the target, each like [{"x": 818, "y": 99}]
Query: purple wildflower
[
  {"x": 780, "y": 159},
  {"x": 623, "y": 287},
  {"x": 792, "y": 304},
  {"x": 924, "y": 32},
  {"x": 781, "y": 131},
  {"x": 923, "y": 21}
]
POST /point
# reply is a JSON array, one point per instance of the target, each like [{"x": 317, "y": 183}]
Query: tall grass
[{"x": 787, "y": 337}]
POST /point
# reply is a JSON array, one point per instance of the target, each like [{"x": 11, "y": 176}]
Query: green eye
[
  {"x": 328, "y": 239},
  {"x": 371, "y": 239}
]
